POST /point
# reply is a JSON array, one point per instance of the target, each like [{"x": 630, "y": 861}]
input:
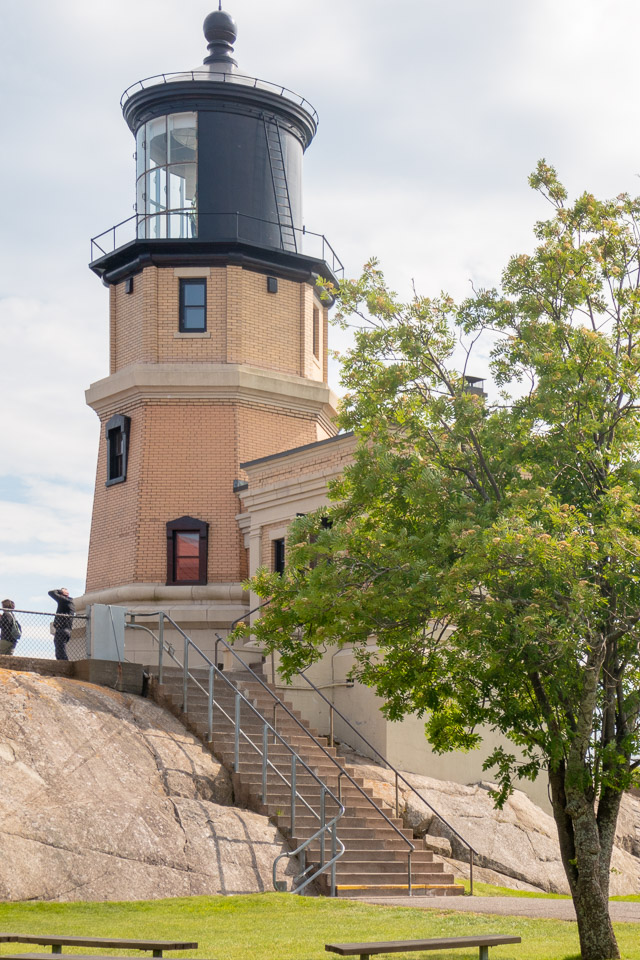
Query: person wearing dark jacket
[
  {"x": 7, "y": 620},
  {"x": 63, "y": 621}
]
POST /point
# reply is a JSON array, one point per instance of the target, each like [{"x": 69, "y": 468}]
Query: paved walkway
[{"x": 621, "y": 912}]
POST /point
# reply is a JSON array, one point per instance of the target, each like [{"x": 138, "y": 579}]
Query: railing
[
  {"x": 219, "y": 77},
  {"x": 278, "y": 703},
  {"x": 398, "y": 776},
  {"x": 230, "y": 227},
  {"x": 327, "y": 828},
  {"x": 37, "y": 634}
]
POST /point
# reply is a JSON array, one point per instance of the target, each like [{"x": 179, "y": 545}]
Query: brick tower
[{"x": 218, "y": 338}]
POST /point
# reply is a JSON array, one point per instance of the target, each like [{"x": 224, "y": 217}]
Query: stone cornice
[
  {"x": 211, "y": 381},
  {"x": 157, "y": 593}
]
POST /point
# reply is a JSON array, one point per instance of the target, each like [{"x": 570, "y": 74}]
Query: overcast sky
[{"x": 432, "y": 115}]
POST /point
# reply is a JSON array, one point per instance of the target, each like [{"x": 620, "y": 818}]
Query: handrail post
[
  {"x": 331, "y": 725},
  {"x": 210, "y": 705},
  {"x": 409, "y": 873},
  {"x": 334, "y": 850},
  {"x": 397, "y": 793},
  {"x": 185, "y": 675},
  {"x": 236, "y": 745},
  {"x": 293, "y": 794},
  {"x": 265, "y": 749},
  {"x": 470, "y": 872},
  {"x": 323, "y": 823},
  {"x": 160, "y": 645}
]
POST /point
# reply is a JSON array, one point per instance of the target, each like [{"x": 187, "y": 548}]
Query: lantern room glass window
[{"x": 167, "y": 175}]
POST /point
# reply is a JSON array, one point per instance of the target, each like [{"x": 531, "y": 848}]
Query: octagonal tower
[{"x": 218, "y": 338}]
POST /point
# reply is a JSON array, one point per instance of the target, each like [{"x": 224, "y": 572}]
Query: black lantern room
[{"x": 218, "y": 170}]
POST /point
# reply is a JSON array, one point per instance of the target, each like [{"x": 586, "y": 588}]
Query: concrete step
[
  {"x": 364, "y": 890},
  {"x": 397, "y": 876},
  {"x": 365, "y": 866},
  {"x": 346, "y": 824},
  {"x": 420, "y": 858},
  {"x": 387, "y": 838}
]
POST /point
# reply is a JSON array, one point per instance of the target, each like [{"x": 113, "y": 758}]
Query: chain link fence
[{"x": 38, "y": 630}]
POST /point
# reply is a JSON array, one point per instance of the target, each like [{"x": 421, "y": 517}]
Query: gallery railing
[
  {"x": 231, "y": 227},
  {"x": 212, "y": 76}
]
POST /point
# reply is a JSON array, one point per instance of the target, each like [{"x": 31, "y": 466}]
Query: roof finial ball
[{"x": 220, "y": 31}]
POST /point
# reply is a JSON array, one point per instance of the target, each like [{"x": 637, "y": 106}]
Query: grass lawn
[{"x": 276, "y": 926}]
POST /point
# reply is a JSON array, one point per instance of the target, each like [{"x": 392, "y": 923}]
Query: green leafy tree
[{"x": 491, "y": 545}]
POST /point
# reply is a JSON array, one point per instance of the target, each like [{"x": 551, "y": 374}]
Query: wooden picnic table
[
  {"x": 56, "y": 943},
  {"x": 365, "y": 950}
]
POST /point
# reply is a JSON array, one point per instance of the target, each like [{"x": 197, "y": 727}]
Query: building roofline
[{"x": 288, "y": 453}]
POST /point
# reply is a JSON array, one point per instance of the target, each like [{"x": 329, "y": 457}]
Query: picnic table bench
[
  {"x": 365, "y": 950},
  {"x": 108, "y": 943}
]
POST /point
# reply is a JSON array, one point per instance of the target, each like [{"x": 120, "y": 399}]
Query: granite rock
[{"x": 105, "y": 796}]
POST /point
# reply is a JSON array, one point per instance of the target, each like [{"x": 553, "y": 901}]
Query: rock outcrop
[
  {"x": 105, "y": 796},
  {"x": 517, "y": 846}
]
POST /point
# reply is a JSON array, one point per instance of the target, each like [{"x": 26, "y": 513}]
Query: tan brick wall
[
  {"x": 183, "y": 459},
  {"x": 245, "y": 323},
  {"x": 312, "y": 366},
  {"x": 185, "y": 454},
  {"x": 211, "y": 347},
  {"x": 270, "y": 324},
  {"x": 111, "y": 544},
  {"x": 330, "y": 458},
  {"x": 134, "y": 327}
]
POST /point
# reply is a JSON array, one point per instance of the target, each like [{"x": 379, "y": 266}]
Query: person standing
[
  {"x": 63, "y": 621},
  {"x": 9, "y": 631}
]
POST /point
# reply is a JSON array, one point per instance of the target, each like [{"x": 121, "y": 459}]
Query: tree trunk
[
  {"x": 597, "y": 939},
  {"x": 586, "y": 861}
]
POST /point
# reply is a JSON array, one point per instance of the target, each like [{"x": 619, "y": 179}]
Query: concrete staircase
[{"x": 375, "y": 861}]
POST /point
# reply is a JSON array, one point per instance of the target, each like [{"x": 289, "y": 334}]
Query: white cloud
[{"x": 432, "y": 115}]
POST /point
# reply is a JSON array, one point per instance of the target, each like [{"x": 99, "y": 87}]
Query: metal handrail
[
  {"x": 398, "y": 776},
  {"x": 219, "y": 77},
  {"x": 213, "y": 671},
  {"x": 343, "y": 772},
  {"x": 50, "y": 613},
  {"x": 335, "y": 840},
  {"x": 328, "y": 254}
]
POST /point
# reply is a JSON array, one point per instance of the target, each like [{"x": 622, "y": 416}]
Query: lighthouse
[{"x": 217, "y": 336}]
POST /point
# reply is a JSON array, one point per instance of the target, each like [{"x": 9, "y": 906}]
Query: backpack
[{"x": 16, "y": 631}]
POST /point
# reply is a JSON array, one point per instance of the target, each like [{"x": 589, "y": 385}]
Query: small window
[
  {"x": 193, "y": 306},
  {"x": 117, "y": 432},
  {"x": 316, "y": 333},
  {"x": 187, "y": 542},
  {"x": 278, "y": 556}
]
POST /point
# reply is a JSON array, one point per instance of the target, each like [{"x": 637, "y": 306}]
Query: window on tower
[
  {"x": 316, "y": 333},
  {"x": 193, "y": 306},
  {"x": 279, "y": 555},
  {"x": 166, "y": 164},
  {"x": 117, "y": 433},
  {"x": 187, "y": 542}
]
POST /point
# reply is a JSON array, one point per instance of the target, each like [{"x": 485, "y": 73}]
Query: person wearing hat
[
  {"x": 8, "y": 638},
  {"x": 63, "y": 621}
]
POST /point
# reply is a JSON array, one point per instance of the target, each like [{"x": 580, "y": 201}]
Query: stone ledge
[{"x": 124, "y": 677}]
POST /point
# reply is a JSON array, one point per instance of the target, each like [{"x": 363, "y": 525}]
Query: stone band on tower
[{"x": 218, "y": 337}]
